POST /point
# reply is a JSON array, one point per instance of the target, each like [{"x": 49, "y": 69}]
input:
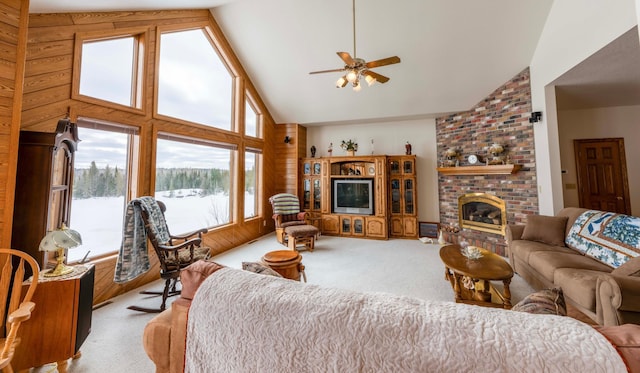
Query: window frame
[
  {"x": 233, "y": 73},
  {"x": 132, "y": 164},
  {"x": 258, "y": 176},
  {"x": 233, "y": 165},
  {"x": 141, "y": 54},
  {"x": 250, "y": 101}
]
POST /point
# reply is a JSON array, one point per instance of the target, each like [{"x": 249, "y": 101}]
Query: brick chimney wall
[{"x": 503, "y": 118}]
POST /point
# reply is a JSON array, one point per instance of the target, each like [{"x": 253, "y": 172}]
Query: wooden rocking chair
[
  {"x": 16, "y": 308},
  {"x": 175, "y": 252}
]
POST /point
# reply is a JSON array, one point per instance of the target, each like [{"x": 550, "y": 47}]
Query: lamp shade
[{"x": 63, "y": 238}]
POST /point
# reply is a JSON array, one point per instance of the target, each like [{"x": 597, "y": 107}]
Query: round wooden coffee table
[{"x": 471, "y": 278}]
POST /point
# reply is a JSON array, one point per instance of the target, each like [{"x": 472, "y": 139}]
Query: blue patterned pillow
[{"x": 608, "y": 237}]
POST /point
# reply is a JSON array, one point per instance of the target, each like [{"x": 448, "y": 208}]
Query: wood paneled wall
[
  {"x": 13, "y": 36},
  {"x": 48, "y": 85},
  {"x": 288, "y": 155}
]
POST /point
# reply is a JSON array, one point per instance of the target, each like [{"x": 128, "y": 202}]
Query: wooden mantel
[{"x": 500, "y": 169}]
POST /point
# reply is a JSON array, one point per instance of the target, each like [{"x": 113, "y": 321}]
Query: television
[{"x": 351, "y": 196}]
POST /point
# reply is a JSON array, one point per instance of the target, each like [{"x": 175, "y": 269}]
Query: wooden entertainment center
[{"x": 389, "y": 211}]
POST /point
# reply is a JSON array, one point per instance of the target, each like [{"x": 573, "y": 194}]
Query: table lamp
[{"x": 59, "y": 240}]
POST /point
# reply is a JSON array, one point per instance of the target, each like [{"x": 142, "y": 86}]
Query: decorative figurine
[
  {"x": 313, "y": 151},
  {"x": 496, "y": 151},
  {"x": 451, "y": 155},
  {"x": 330, "y": 150},
  {"x": 407, "y": 148},
  {"x": 441, "y": 239}
]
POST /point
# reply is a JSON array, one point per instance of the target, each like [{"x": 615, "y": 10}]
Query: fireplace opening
[{"x": 482, "y": 212}]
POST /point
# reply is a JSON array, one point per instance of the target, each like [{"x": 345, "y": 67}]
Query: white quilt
[{"x": 244, "y": 322}]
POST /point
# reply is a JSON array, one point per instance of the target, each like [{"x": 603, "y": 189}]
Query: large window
[
  {"x": 194, "y": 84},
  {"x": 251, "y": 189},
  {"x": 193, "y": 179},
  {"x": 101, "y": 186},
  {"x": 108, "y": 70}
]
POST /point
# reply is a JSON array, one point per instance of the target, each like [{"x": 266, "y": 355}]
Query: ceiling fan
[{"x": 357, "y": 68}]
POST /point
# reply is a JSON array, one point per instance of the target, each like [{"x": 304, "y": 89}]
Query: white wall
[
  {"x": 619, "y": 121},
  {"x": 390, "y": 139},
  {"x": 574, "y": 30}
]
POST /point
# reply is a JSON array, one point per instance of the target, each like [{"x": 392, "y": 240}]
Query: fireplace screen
[{"x": 483, "y": 212}]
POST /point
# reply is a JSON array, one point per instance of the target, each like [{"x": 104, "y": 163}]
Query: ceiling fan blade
[
  {"x": 379, "y": 78},
  {"x": 346, "y": 57},
  {"x": 383, "y": 62},
  {"x": 325, "y": 71}
]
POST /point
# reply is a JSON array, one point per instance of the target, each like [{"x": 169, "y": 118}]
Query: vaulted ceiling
[{"x": 453, "y": 54}]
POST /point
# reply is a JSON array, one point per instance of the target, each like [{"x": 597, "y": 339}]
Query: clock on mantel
[{"x": 499, "y": 169}]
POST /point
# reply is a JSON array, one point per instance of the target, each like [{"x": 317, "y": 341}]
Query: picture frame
[{"x": 428, "y": 229}]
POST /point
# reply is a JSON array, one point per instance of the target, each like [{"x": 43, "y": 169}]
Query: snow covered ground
[{"x": 99, "y": 220}]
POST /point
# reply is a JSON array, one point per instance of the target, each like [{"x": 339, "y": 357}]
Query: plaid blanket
[{"x": 133, "y": 257}]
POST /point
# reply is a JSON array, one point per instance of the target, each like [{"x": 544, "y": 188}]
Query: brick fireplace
[{"x": 501, "y": 118}]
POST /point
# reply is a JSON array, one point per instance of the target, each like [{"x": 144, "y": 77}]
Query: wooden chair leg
[
  {"x": 301, "y": 270},
  {"x": 280, "y": 235},
  {"x": 168, "y": 291}
]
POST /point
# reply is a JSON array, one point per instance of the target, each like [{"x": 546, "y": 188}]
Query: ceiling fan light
[
  {"x": 370, "y": 80},
  {"x": 352, "y": 75},
  {"x": 340, "y": 83},
  {"x": 356, "y": 86}
]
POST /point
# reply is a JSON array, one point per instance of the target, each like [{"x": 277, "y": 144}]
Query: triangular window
[{"x": 194, "y": 84}]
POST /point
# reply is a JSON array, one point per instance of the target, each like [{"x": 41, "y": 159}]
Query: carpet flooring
[{"x": 404, "y": 267}]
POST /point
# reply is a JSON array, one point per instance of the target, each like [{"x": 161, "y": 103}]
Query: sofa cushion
[
  {"x": 192, "y": 276},
  {"x": 578, "y": 285},
  {"x": 546, "y": 229},
  {"x": 523, "y": 249},
  {"x": 608, "y": 237},
  {"x": 545, "y": 301},
  {"x": 547, "y": 262}
]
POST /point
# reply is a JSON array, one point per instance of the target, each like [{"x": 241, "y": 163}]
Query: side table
[{"x": 60, "y": 322}]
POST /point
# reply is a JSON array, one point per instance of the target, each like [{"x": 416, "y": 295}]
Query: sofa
[
  {"x": 572, "y": 251},
  {"x": 230, "y": 320}
]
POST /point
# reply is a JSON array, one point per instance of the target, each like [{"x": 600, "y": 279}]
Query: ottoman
[
  {"x": 301, "y": 235},
  {"x": 287, "y": 263}
]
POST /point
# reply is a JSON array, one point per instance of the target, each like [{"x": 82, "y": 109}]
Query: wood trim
[
  {"x": 481, "y": 170},
  {"x": 14, "y": 129}
]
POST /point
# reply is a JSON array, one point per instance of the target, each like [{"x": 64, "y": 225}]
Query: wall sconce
[
  {"x": 535, "y": 117},
  {"x": 287, "y": 139}
]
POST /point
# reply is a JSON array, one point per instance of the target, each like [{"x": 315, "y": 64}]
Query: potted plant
[{"x": 349, "y": 146}]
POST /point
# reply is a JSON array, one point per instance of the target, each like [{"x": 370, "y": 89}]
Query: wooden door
[{"x": 602, "y": 175}]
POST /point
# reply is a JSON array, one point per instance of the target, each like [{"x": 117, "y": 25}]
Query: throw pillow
[
  {"x": 259, "y": 268},
  {"x": 545, "y": 229},
  {"x": 546, "y": 301}
]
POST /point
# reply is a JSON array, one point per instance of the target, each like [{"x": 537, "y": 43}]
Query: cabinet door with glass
[
  {"x": 402, "y": 196},
  {"x": 312, "y": 184}
]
